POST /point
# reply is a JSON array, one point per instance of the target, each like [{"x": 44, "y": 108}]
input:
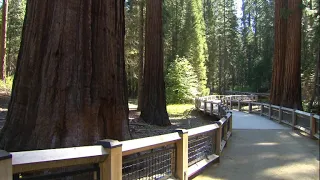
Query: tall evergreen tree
[{"x": 154, "y": 104}]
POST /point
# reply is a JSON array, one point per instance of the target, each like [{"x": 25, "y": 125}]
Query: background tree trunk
[
  {"x": 154, "y": 104},
  {"x": 70, "y": 85},
  {"x": 141, "y": 55},
  {"x": 280, "y": 26},
  {"x": 3, "y": 39},
  {"x": 316, "y": 87},
  {"x": 291, "y": 96}
]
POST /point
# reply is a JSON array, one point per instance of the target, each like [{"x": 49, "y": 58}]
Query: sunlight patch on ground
[
  {"x": 266, "y": 144},
  {"x": 179, "y": 110},
  {"x": 296, "y": 169}
]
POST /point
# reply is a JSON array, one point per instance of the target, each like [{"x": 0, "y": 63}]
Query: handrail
[
  {"x": 144, "y": 144},
  {"x": 27, "y": 161},
  {"x": 314, "y": 118},
  {"x": 202, "y": 129}
]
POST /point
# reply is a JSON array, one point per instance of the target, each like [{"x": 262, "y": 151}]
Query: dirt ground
[
  {"x": 138, "y": 128},
  {"x": 192, "y": 119},
  {"x": 4, "y": 101}
]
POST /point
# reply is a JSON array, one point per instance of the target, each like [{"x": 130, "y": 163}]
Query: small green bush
[
  {"x": 7, "y": 85},
  {"x": 181, "y": 82}
]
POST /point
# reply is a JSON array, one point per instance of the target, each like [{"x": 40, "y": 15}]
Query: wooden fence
[
  {"x": 180, "y": 155},
  {"x": 300, "y": 120}
]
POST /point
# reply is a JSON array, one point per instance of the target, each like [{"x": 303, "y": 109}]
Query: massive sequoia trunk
[
  {"x": 291, "y": 96},
  {"x": 280, "y": 26},
  {"x": 154, "y": 104},
  {"x": 3, "y": 39},
  {"x": 69, "y": 88}
]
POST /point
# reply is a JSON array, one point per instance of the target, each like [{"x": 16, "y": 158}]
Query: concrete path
[
  {"x": 251, "y": 121},
  {"x": 262, "y": 154}
]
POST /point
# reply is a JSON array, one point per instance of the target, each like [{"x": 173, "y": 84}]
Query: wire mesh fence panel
[
  {"x": 256, "y": 109},
  {"x": 303, "y": 121},
  {"x": 275, "y": 113},
  {"x": 90, "y": 172},
  {"x": 200, "y": 147},
  {"x": 222, "y": 130},
  {"x": 265, "y": 111},
  {"x": 287, "y": 116},
  {"x": 245, "y": 107},
  {"x": 234, "y": 105},
  {"x": 148, "y": 165},
  {"x": 318, "y": 126}
]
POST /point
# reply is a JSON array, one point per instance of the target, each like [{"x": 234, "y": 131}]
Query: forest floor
[
  {"x": 181, "y": 116},
  {"x": 4, "y": 101}
]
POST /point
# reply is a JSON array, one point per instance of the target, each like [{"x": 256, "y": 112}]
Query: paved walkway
[{"x": 265, "y": 150}]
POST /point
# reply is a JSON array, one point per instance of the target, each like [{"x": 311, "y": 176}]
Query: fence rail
[
  {"x": 180, "y": 154},
  {"x": 304, "y": 121}
]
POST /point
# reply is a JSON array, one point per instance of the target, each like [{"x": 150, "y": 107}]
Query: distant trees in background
[{"x": 229, "y": 48}]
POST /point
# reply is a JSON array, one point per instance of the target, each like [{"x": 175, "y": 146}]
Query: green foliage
[
  {"x": 179, "y": 110},
  {"x": 194, "y": 42},
  {"x": 7, "y": 85},
  {"x": 181, "y": 82},
  {"x": 16, "y": 14}
]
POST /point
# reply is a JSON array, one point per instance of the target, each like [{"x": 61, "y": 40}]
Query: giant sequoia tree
[
  {"x": 154, "y": 101},
  {"x": 69, "y": 87},
  {"x": 280, "y": 26},
  {"x": 286, "y": 77},
  {"x": 292, "y": 78}
]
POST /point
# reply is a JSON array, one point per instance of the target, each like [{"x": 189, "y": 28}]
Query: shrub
[
  {"x": 181, "y": 82},
  {"x": 7, "y": 85}
]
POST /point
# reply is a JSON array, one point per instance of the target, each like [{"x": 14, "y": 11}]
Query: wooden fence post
[
  {"x": 218, "y": 139},
  {"x": 239, "y": 105},
  {"x": 250, "y": 107},
  {"x": 5, "y": 165},
  {"x": 270, "y": 111},
  {"x": 230, "y": 103},
  {"x": 280, "y": 114},
  {"x": 230, "y": 125},
  {"x": 261, "y": 110},
  {"x": 182, "y": 155},
  {"x": 111, "y": 168},
  {"x": 205, "y": 106},
  {"x": 294, "y": 119},
  {"x": 196, "y": 103},
  {"x": 313, "y": 127},
  {"x": 211, "y": 108}
]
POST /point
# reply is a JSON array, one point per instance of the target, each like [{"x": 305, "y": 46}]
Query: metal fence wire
[
  {"x": 80, "y": 172},
  {"x": 149, "y": 165},
  {"x": 200, "y": 147}
]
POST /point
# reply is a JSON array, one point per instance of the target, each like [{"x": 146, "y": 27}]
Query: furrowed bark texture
[
  {"x": 291, "y": 96},
  {"x": 154, "y": 104},
  {"x": 279, "y": 52},
  {"x": 70, "y": 84}
]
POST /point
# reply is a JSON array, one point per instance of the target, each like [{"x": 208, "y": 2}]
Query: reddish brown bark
[
  {"x": 3, "y": 39},
  {"x": 280, "y": 25},
  {"x": 291, "y": 96},
  {"x": 69, "y": 88},
  {"x": 154, "y": 104}
]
